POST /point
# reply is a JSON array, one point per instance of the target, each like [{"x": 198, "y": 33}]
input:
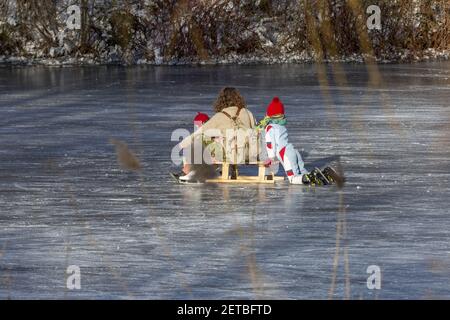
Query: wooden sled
[{"x": 228, "y": 177}]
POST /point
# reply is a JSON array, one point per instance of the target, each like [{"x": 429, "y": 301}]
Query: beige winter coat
[{"x": 220, "y": 125}]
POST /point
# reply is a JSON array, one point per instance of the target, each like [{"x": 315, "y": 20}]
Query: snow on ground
[{"x": 64, "y": 200}]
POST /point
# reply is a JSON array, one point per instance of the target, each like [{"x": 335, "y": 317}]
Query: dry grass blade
[
  {"x": 340, "y": 178},
  {"x": 126, "y": 158}
]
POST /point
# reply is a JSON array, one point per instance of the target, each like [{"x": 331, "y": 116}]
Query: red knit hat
[
  {"x": 201, "y": 118},
  {"x": 275, "y": 108}
]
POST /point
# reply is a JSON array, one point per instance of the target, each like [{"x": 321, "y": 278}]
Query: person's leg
[
  {"x": 288, "y": 158},
  {"x": 186, "y": 168},
  {"x": 234, "y": 171},
  {"x": 292, "y": 163},
  {"x": 300, "y": 163}
]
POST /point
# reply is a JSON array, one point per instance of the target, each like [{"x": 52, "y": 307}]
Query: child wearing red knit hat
[
  {"x": 199, "y": 120},
  {"x": 278, "y": 146},
  {"x": 190, "y": 169}
]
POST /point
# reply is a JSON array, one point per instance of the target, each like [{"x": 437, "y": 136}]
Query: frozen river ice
[{"x": 64, "y": 200}]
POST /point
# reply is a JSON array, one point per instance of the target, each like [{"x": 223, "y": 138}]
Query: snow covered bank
[
  {"x": 406, "y": 56},
  {"x": 222, "y": 31}
]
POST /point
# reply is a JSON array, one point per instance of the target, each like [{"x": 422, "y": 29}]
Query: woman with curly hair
[
  {"x": 230, "y": 123},
  {"x": 229, "y": 97}
]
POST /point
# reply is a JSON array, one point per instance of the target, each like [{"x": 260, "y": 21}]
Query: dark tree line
[{"x": 207, "y": 30}]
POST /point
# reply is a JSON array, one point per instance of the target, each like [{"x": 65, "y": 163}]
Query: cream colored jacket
[
  {"x": 219, "y": 126},
  {"x": 221, "y": 122}
]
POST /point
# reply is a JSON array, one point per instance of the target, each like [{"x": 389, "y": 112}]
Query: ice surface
[{"x": 64, "y": 200}]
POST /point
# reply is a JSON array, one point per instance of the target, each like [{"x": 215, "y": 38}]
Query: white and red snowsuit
[{"x": 277, "y": 146}]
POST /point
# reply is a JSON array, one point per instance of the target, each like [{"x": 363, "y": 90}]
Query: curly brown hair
[{"x": 229, "y": 97}]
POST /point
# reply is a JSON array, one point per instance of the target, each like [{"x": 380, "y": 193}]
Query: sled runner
[{"x": 230, "y": 174}]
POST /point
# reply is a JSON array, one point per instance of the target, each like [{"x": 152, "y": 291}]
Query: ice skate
[
  {"x": 333, "y": 176},
  {"x": 300, "y": 179},
  {"x": 188, "y": 178}
]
